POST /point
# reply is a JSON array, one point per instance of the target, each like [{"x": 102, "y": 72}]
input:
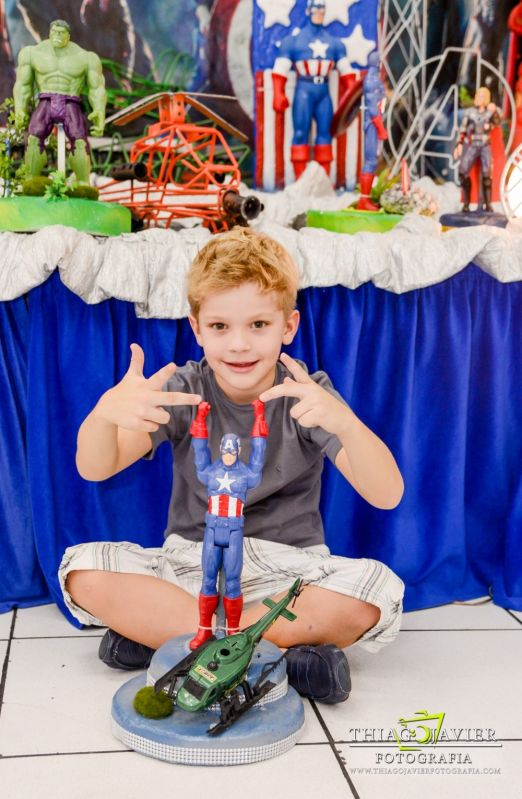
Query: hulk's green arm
[
  {"x": 96, "y": 87},
  {"x": 23, "y": 88}
]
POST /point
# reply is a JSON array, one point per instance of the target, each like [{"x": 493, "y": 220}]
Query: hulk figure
[{"x": 61, "y": 72}]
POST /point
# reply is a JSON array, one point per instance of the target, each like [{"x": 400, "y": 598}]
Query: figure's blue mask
[
  {"x": 315, "y": 5},
  {"x": 230, "y": 443},
  {"x": 374, "y": 59}
]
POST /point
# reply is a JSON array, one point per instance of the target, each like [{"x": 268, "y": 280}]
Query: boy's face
[{"x": 241, "y": 331}]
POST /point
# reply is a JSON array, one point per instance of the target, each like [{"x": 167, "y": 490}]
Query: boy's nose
[{"x": 239, "y": 342}]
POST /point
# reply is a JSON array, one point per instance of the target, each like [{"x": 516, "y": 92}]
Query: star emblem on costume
[
  {"x": 338, "y": 11},
  {"x": 225, "y": 482},
  {"x": 318, "y": 48},
  {"x": 276, "y": 11},
  {"x": 358, "y": 47}
]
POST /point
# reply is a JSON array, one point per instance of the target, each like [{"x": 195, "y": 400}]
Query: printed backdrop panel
[{"x": 354, "y": 22}]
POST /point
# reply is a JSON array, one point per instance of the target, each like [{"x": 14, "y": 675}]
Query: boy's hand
[
  {"x": 317, "y": 407},
  {"x": 135, "y": 403}
]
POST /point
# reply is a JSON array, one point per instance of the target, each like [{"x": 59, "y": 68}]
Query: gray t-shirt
[{"x": 285, "y": 506}]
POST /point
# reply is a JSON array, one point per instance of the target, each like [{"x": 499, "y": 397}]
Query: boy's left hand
[{"x": 316, "y": 406}]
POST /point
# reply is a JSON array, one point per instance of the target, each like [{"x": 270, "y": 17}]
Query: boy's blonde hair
[{"x": 240, "y": 256}]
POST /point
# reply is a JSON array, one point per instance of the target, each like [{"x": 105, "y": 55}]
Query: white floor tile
[
  {"x": 473, "y": 677},
  {"x": 3, "y": 648},
  {"x": 47, "y": 620},
  {"x": 57, "y": 698},
  {"x": 305, "y": 771},
  {"x": 5, "y": 624},
  {"x": 517, "y": 613},
  {"x": 374, "y": 780},
  {"x": 459, "y": 617}
]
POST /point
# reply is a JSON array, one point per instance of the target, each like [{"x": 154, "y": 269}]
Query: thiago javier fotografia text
[
  {"x": 403, "y": 747},
  {"x": 408, "y": 736}
]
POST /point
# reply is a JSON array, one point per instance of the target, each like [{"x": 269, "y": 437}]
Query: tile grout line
[
  {"x": 334, "y": 749},
  {"x": 513, "y": 615},
  {"x": 113, "y": 752},
  {"x": 132, "y": 751},
  {"x": 52, "y": 637},
  {"x": 3, "y": 678},
  {"x": 460, "y": 629},
  {"x": 94, "y": 636},
  {"x": 69, "y": 754}
]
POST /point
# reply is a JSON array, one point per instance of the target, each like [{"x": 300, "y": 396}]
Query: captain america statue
[
  {"x": 374, "y": 130},
  {"x": 228, "y": 480},
  {"x": 313, "y": 53}
]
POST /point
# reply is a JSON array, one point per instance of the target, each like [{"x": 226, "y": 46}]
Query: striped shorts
[{"x": 268, "y": 569}]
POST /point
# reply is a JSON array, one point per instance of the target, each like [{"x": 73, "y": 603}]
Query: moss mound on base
[
  {"x": 35, "y": 187},
  {"x": 83, "y": 192},
  {"x": 152, "y": 705}
]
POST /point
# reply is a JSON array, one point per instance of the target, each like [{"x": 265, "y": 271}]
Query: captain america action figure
[
  {"x": 227, "y": 479},
  {"x": 313, "y": 53},
  {"x": 374, "y": 130}
]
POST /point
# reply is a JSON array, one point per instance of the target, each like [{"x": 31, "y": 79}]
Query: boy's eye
[
  {"x": 217, "y": 326},
  {"x": 258, "y": 324}
]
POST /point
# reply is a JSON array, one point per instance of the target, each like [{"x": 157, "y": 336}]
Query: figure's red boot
[
  {"x": 323, "y": 154},
  {"x": 233, "y": 608},
  {"x": 299, "y": 156},
  {"x": 207, "y": 606},
  {"x": 365, "y": 204}
]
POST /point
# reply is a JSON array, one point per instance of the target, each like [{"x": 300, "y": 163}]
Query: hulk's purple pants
[{"x": 55, "y": 108}]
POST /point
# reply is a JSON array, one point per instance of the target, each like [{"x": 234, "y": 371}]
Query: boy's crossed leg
[
  {"x": 149, "y": 596},
  {"x": 150, "y": 610}
]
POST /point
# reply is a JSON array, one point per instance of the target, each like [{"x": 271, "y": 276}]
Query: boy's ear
[
  {"x": 195, "y": 329},
  {"x": 292, "y": 323}
]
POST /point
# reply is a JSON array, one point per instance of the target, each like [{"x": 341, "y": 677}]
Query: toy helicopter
[
  {"x": 180, "y": 169},
  {"x": 215, "y": 670}
]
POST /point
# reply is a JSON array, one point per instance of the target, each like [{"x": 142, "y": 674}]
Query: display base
[
  {"x": 353, "y": 221},
  {"x": 268, "y": 729},
  {"x": 20, "y": 214},
  {"x": 471, "y": 218}
]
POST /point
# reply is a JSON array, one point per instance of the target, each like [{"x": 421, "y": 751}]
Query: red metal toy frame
[{"x": 183, "y": 178}]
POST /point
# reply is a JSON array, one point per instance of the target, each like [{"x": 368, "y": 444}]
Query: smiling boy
[{"x": 242, "y": 290}]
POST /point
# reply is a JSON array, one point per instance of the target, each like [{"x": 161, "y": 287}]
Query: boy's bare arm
[
  {"x": 364, "y": 460},
  {"x": 117, "y": 431}
]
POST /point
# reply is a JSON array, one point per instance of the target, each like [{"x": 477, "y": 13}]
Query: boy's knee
[
  {"x": 353, "y": 618},
  {"x": 370, "y": 616},
  {"x": 350, "y": 619},
  {"x": 83, "y": 583}
]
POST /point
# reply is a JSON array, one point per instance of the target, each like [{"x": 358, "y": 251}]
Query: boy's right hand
[{"x": 135, "y": 403}]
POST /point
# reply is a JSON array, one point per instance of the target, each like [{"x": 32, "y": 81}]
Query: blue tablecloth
[{"x": 435, "y": 372}]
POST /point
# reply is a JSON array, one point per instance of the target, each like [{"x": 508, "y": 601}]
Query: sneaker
[
  {"x": 119, "y": 652},
  {"x": 319, "y": 672}
]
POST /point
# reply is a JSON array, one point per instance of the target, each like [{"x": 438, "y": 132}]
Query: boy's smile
[{"x": 241, "y": 331}]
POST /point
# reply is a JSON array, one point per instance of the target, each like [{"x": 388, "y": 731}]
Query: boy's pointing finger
[
  {"x": 297, "y": 370},
  {"x": 287, "y": 389},
  {"x": 178, "y": 398},
  {"x": 159, "y": 378}
]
